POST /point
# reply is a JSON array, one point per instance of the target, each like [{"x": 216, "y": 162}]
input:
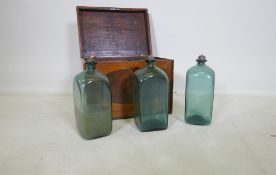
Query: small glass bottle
[
  {"x": 200, "y": 81},
  {"x": 92, "y": 101},
  {"x": 150, "y": 97}
]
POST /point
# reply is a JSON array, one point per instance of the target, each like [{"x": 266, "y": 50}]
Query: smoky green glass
[
  {"x": 150, "y": 97},
  {"x": 200, "y": 81},
  {"x": 92, "y": 102}
]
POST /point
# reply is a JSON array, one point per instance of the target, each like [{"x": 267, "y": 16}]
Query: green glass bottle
[
  {"x": 150, "y": 97},
  {"x": 92, "y": 101},
  {"x": 200, "y": 81}
]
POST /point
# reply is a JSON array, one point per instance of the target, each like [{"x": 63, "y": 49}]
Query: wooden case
[{"x": 120, "y": 40}]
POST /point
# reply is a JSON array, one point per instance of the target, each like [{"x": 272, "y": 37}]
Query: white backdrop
[{"x": 39, "y": 43}]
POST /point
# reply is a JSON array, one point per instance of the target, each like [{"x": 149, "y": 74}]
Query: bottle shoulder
[
  {"x": 201, "y": 69},
  {"x": 87, "y": 77},
  {"x": 145, "y": 73}
]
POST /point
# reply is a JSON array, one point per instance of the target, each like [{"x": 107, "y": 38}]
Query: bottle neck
[
  {"x": 200, "y": 64},
  {"x": 90, "y": 67},
  {"x": 151, "y": 64}
]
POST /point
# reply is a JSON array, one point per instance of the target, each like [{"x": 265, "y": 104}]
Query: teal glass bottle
[
  {"x": 150, "y": 97},
  {"x": 200, "y": 81},
  {"x": 92, "y": 102}
]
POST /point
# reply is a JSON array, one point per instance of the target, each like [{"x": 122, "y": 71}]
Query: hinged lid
[{"x": 113, "y": 32}]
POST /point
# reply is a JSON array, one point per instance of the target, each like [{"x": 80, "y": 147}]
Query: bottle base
[
  {"x": 152, "y": 125},
  {"x": 94, "y": 137},
  {"x": 95, "y": 134},
  {"x": 150, "y": 130},
  {"x": 197, "y": 120}
]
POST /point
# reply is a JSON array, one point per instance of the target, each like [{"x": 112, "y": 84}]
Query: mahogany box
[{"x": 120, "y": 39}]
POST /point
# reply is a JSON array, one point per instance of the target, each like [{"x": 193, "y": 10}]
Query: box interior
[{"x": 113, "y": 33}]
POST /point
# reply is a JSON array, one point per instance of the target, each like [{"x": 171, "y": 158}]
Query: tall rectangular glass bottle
[
  {"x": 92, "y": 101},
  {"x": 200, "y": 81},
  {"x": 151, "y": 97}
]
